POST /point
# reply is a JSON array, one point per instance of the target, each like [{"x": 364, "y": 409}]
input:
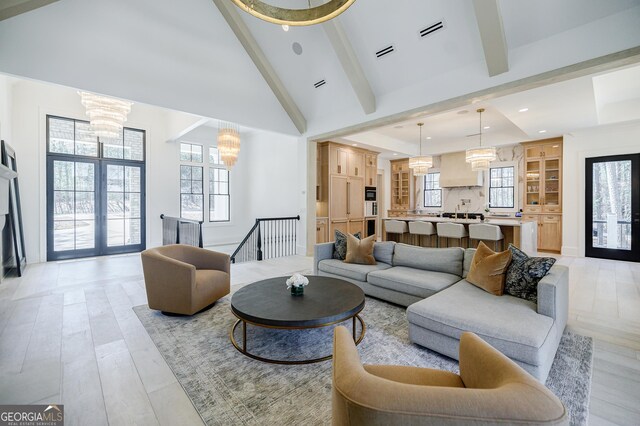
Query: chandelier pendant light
[
  {"x": 295, "y": 17},
  {"x": 228, "y": 143},
  {"x": 106, "y": 115},
  {"x": 481, "y": 157},
  {"x": 422, "y": 163}
]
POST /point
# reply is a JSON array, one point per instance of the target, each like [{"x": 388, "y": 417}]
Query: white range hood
[{"x": 456, "y": 172}]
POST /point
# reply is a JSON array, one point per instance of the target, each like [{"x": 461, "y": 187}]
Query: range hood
[{"x": 456, "y": 172}]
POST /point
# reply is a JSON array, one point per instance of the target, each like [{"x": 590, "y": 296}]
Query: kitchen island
[{"x": 521, "y": 233}]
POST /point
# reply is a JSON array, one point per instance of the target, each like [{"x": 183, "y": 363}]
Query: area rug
[{"x": 228, "y": 388}]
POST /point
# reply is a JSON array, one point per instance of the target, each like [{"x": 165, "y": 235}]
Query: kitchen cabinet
[
  {"x": 356, "y": 164},
  {"x": 344, "y": 173},
  {"x": 322, "y": 235},
  {"x": 543, "y": 190},
  {"x": 401, "y": 185}
]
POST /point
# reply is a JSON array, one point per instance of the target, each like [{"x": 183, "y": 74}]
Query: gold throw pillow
[
  {"x": 488, "y": 269},
  {"x": 360, "y": 251}
]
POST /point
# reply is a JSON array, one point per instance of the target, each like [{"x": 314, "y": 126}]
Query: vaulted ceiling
[{"x": 190, "y": 57}]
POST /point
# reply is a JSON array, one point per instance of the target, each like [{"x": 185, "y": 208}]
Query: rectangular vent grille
[
  {"x": 431, "y": 29},
  {"x": 382, "y": 52},
  {"x": 319, "y": 84}
]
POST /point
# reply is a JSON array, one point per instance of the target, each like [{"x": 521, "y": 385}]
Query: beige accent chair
[
  {"x": 183, "y": 279},
  {"x": 491, "y": 389}
]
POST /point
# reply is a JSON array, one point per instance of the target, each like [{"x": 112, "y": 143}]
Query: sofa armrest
[
  {"x": 321, "y": 252},
  {"x": 553, "y": 295}
]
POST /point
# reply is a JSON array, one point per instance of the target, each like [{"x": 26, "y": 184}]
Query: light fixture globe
[
  {"x": 421, "y": 164},
  {"x": 294, "y": 17},
  {"x": 481, "y": 157},
  {"x": 228, "y": 143},
  {"x": 106, "y": 115}
]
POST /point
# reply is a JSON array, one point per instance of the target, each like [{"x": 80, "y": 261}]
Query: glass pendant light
[
  {"x": 481, "y": 157},
  {"x": 422, "y": 163}
]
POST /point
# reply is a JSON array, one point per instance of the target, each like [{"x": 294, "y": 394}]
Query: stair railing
[
  {"x": 177, "y": 230},
  {"x": 268, "y": 238}
]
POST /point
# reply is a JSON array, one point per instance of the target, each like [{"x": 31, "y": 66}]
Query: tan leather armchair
[
  {"x": 491, "y": 389},
  {"x": 183, "y": 279}
]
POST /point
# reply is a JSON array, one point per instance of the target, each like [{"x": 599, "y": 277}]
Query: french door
[
  {"x": 613, "y": 207},
  {"x": 95, "y": 191}
]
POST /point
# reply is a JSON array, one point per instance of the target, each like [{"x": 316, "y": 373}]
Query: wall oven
[{"x": 370, "y": 193}]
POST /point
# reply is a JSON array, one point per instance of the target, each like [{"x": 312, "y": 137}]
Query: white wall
[
  {"x": 31, "y": 102},
  {"x": 579, "y": 145},
  {"x": 6, "y": 92}
]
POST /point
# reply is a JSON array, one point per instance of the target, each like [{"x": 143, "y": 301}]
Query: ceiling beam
[
  {"x": 11, "y": 8},
  {"x": 350, "y": 64},
  {"x": 241, "y": 30},
  {"x": 494, "y": 41}
]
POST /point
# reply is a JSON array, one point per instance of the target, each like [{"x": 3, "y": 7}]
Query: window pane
[
  {"x": 185, "y": 186},
  {"x": 132, "y": 231},
  {"x": 113, "y": 147},
  {"x": 214, "y": 156},
  {"x": 218, "y": 208},
  {"x": 196, "y": 173},
  {"x": 86, "y": 141},
  {"x": 185, "y": 152},
  {"x": 612, "y": 205},
  {"x": 132, "y": 205},
  {"x": 85, "y": 234},
  {"x": 115, "y": 232},
  {"x": 132, "y": 179},
  {"x": 63, "y": 175},
  {"x": 133, "y": 145},
  {"x": 185, "y": 172},
  {"x": 63, "y": 235},
  {"x": 191, "y": 206},
  {"x": 196, "y": 153},
  {"x": 63, "y": 205},
  {"x": 85, "y": 206},
  {"x": 115, "y": 205},
  {"x": 85, "y": 178},
  {"x": 115, "y": 178},
  {"x": 196, "y": 187},
  {"x": 61, "y": 136}
]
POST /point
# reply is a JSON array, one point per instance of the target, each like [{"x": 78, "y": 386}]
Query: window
[
  {"x": 219, "y": 199},
  {"x": 501, "y": 187},
  {"x": 191, "y": 195},
  {"x": 432, "y": 190},
  {"x": 190, "y": 153}
]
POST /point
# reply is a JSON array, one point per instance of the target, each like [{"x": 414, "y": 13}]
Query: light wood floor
[{"x": 68, "y": 335}]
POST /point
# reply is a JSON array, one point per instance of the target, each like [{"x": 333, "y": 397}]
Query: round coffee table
[{"x": 268, "y": 303}]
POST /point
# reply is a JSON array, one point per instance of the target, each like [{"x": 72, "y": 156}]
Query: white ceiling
[
  {"x": 552, "y": 110},
  {"x": 184, "y": 56}
]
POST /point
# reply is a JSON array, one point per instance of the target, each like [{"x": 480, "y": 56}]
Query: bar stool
[
  {"x": 398, "y": 227},
  {"x": 483, "y": 231},
  {"x": 421, "y": 230},
  {"x": 452, "y": 230}
]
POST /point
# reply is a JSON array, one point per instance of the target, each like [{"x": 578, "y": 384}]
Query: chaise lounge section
[{"x": 442, "y": 304}]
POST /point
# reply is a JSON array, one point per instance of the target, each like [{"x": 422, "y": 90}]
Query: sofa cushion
[
  {"x": 466, "y": 263},
  {"x": 360, "y": 251},
  {"x": 340, "y": 244},
  {"x": 510, "y": 324},
  {"x": 383, "y": 251},
  {"x": 350, "y": 270},
  {"x": 447, "y": 260},
  {"x": 488, "y": 269},
  {"x": 415, "y": 282}
]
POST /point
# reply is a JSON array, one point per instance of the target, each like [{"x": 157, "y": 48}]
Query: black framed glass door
[
  {"x": 95, "y": 191},
  {"x": 613, "y": 207}
]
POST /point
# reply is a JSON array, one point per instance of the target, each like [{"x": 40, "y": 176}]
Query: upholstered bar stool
[
  {"x": 423, "y": 229},
  {"x": 452, "y": 230},
  {"x": 397, "y": 227},
  {"x": 486, "y": 232}
]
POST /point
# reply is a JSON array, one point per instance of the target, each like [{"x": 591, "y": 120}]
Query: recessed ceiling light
[
  {"x": 523, "y": 110},
  {"x": 395, "y": 153},
  {"x": 398, "y": 127},
  {"x": 542, "y": 131},
  {"x": 486, "y": 127},
  {"x": 464, "y": 111},
  {"x": 428, "y": 137},
  {"x": 354, "y": 144},
  {"x": 556, "y": 146},
  {"x": 285, "y": 28}
]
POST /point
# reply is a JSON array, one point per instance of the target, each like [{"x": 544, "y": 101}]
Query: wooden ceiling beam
[
  {"x": 494, "y": 41},
  {"x": 243, "y": 34},
  {"x": 11, "y": 8}
]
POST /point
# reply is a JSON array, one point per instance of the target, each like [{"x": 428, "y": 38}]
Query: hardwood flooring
[{"x": 68, "y": 335}]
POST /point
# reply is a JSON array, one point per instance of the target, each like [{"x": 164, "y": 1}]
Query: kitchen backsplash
[{"x": 477, "y": 196}]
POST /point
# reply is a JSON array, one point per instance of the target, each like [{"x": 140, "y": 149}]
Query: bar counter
[{"x": 521, "y": 233}]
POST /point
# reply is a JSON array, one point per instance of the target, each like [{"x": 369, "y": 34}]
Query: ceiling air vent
[
  {"x": 319, "y": 84},
  {"x": 383, "y": 52},
  {"x": 431, "y": 29}
]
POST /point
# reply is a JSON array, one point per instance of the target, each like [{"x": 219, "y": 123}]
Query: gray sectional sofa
[{"x": 441, "y": 304}]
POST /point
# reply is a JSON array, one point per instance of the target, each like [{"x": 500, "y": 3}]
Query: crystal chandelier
[
  {"x": 228, "y": 143},
  {"x": 422, "y": 163},
  {"x": 106, "y": 115},
  {"x": 283, "y": 16},
  {"x": 480, "y": 158}
]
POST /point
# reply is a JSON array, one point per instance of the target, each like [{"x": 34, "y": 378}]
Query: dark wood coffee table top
[{"x": 325, "y": 301}]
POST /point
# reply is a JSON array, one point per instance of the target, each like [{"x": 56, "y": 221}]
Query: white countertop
[{"x": 498, "y": 222}]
